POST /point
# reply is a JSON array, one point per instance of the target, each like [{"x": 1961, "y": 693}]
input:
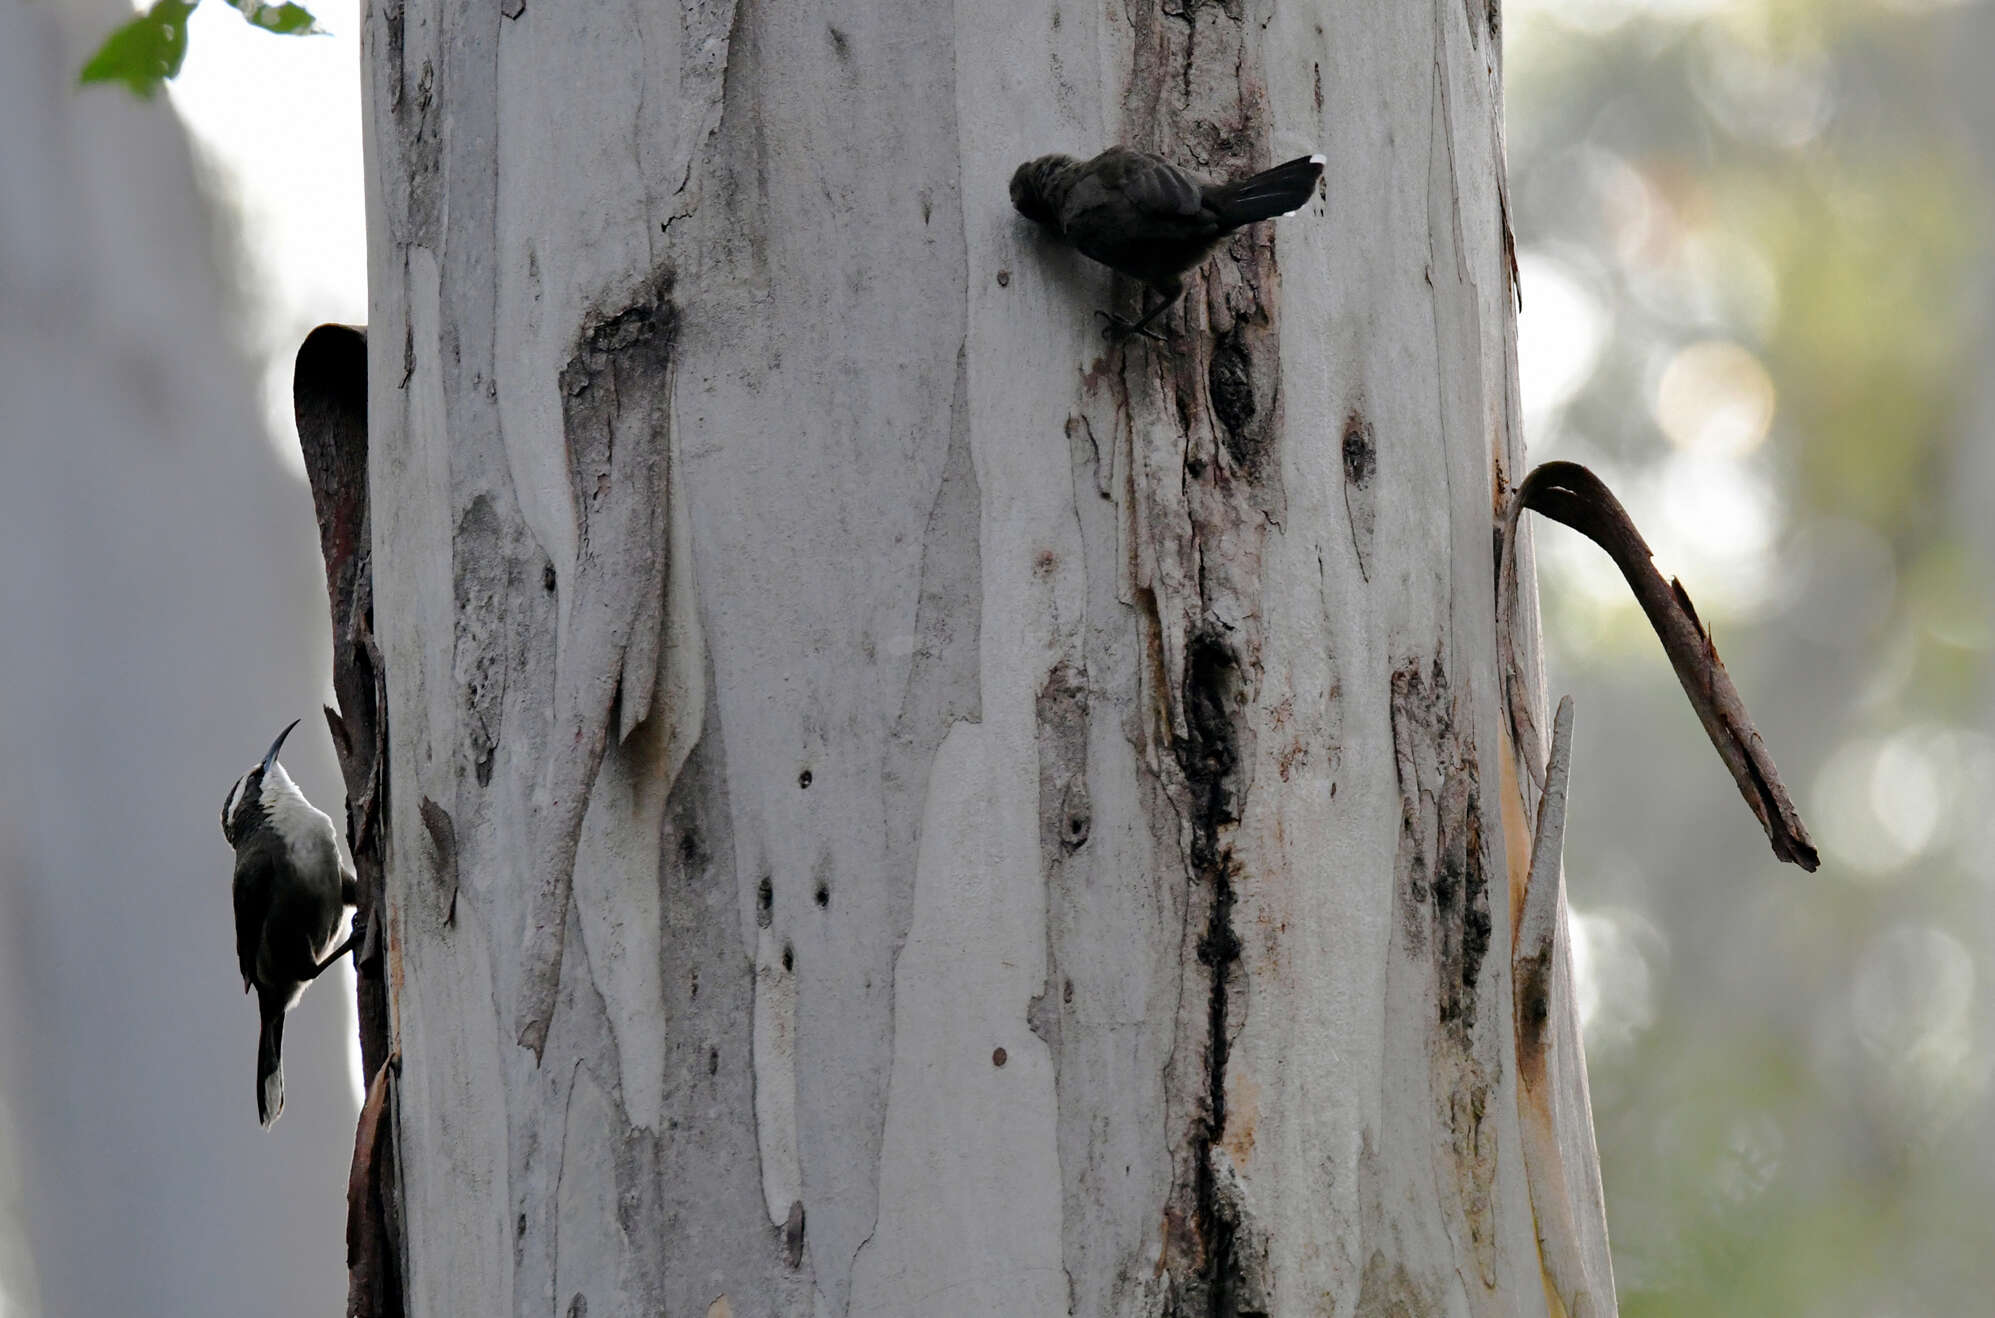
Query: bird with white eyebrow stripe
[{"x": 291, "y": 888}]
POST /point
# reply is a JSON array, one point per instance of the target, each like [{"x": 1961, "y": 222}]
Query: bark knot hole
[
  {"x": 1360, "y": 451},
  {"x": 1230, "y": 379}
]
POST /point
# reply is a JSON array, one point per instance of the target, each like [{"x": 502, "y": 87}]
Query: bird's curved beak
[{"x": 270, "y": 757}]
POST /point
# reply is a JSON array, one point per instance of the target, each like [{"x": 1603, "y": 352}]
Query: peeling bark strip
[
  {"x": 374, "y": 1285},
  {"x": 1563, "y": 1178},
  {"x": 616, "y": 393},
  {"x": 1538, "y": 921},
  {"x": 1567, "y": 492},
  {"x": 329, "y": 395},
  {"x": 1206, "y": 107},
  {"x": 1204, "y": 419}
]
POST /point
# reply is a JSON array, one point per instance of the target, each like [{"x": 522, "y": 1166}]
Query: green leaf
[
  {"x": 285, "y": 20},
  {"x": 144, "y": 52}
]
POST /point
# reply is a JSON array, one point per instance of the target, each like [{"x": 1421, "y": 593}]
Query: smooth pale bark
[
  {"x": 1041, "y": 827},
  {"x": 160, "y": 620}
]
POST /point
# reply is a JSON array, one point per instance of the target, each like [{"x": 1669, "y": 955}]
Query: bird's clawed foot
[
  {"x": 354, "y": 935},
  {"x": 1117, "y": 329}
]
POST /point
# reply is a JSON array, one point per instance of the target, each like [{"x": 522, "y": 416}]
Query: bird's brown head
[{"x": 1039, "y": 186}]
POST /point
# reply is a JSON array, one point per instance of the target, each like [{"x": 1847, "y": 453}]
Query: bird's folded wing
[
  {"x": 1125, "y": 187},
  {"x": 255, "y": 878}
]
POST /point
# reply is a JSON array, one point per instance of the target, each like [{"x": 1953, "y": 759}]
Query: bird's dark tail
[
  {"x": 1267, "y": 194},
  {"x": 270, "y": 1061}
]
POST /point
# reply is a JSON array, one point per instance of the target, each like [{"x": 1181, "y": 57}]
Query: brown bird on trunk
[{"x": 1143, "y": 216}]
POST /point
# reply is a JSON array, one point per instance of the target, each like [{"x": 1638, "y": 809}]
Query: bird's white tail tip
[
  {"x": 272, "y": 1106},
  {"x": 1319, "y": 161}
]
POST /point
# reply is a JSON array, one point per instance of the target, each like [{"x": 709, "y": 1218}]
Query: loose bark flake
[
  {"x": 1537, "y": 920},
  {"x": 443, "y": 842},
  {"x": 1564, "y": 1180},
  {"x": 374, "y": 1286},
  {"x": 616, "y": 415}
]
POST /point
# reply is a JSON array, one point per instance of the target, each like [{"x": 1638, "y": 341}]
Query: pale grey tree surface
[
  {"x": 951, "y": 816},
  {"x": 161, "y": 601}
]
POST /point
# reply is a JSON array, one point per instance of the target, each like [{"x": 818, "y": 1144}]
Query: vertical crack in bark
[{"x": 1208, "y": 755}]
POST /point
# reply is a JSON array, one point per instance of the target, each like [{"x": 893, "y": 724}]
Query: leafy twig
[{"x": 149, "y": 49}]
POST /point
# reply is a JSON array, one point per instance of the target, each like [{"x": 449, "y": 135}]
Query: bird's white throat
[{"x": 296, "y": 820}]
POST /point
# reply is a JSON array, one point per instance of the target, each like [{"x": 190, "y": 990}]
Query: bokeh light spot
[
  {"x": 1912, "y": 1000},
  {"x": 1714, "y": 399},
  {"x": 1618, "y": 955},
  {"x": 1880, "y": 803},
  {"x": 1559, "y": 333},
  {"x": 1905, "y": 793}
]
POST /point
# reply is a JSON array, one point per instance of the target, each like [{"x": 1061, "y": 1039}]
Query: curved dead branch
[{"x": 1569, "y": 493}]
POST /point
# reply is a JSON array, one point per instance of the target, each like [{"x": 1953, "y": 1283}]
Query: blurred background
[
  {"x": 1755, "y": 248},
  {"x": 162, "y": 615},
  {"x": 1755, "y": 244}
]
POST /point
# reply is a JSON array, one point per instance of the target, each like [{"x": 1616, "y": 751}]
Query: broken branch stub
[
  {"x": 329, "y": 395},
  {"x": 1569, "y": 493}
]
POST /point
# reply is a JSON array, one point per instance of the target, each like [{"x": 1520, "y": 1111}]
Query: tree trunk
[{"x": 896, "y": 806}]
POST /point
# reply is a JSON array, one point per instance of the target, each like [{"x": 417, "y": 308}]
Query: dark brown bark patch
[
  {"x": 1443, "y": 918},
  {"x": 1360, "y": 500},
  {"x": 1065, "y": 815}
]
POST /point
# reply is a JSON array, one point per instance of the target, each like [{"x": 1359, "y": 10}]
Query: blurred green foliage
[
  {"x": 148, "y": 50},
  {"x": 1790, "y": 1074},
  {"x": 144, "y": 52}
]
